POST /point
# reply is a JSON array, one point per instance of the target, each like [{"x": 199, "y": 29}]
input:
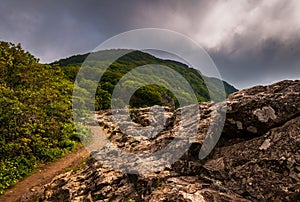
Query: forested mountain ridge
[{"x": 155, "y": 94}]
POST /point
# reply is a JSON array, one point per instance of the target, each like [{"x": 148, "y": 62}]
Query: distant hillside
[
  {"x": 145, "y": 96},
  {"x": 228, "y": 88},
  {"x": 73, "y": 60}
]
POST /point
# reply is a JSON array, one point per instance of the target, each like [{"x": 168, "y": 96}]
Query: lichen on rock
[{"x": 265, "y": 114}]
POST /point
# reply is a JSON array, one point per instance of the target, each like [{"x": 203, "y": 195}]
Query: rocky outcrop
[
  {"x": 256, "y": 159},
  {"x": 258, "y": 109}
]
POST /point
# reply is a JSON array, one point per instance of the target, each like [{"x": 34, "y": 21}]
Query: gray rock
[{"x": 256, "y": 159}]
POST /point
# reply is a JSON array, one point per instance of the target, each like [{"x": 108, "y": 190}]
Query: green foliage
[
  {"x": 158, "y": 183},
  {"x": 144, "y": 96},
  {"x": 103, "y": 99},
  {"x": 147, "y": 96},
  {"x": 76, "y": 59},
  {"x": 36, "y": 121}
]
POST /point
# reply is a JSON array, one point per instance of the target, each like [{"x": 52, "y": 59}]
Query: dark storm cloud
[
  {"x": 272, "y": 61},
  {"x": 53, "y": 29},
  {"x": 252, "y": 42}
]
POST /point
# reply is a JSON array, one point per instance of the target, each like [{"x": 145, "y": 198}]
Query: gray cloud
[
  {"x": 252, "y": 42},
  {"x": 54, "y": 29}
]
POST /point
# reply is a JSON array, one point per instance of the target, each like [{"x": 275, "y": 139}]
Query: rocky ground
[{"x": 256, "y": 159}]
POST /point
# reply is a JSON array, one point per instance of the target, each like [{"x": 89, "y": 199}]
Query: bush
[{"x": 36, "y": 119}]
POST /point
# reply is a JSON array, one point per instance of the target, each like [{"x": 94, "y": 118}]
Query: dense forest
[
  {"x": 36, "y": 122},
  {"x": 145, "y": 96}
]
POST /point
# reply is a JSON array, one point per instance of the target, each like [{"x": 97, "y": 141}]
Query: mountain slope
[{"x": 155, "y": 94}]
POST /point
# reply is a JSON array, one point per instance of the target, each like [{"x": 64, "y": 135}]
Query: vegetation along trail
[{"x": 33, "y": 185}]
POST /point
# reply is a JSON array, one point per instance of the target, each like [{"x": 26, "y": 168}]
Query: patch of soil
[{"x": 30, "y": 187}]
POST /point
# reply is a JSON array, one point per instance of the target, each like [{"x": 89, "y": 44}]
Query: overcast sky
[{"x": 252, "y": 42}]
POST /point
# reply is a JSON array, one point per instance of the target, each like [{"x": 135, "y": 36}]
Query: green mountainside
[{"x": 145, "y": 96}]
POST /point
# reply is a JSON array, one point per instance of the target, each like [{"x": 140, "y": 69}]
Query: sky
[{"x": 252, "y": 42}]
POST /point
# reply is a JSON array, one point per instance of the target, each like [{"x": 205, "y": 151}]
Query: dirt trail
[{"x": 33, "y": 184}]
